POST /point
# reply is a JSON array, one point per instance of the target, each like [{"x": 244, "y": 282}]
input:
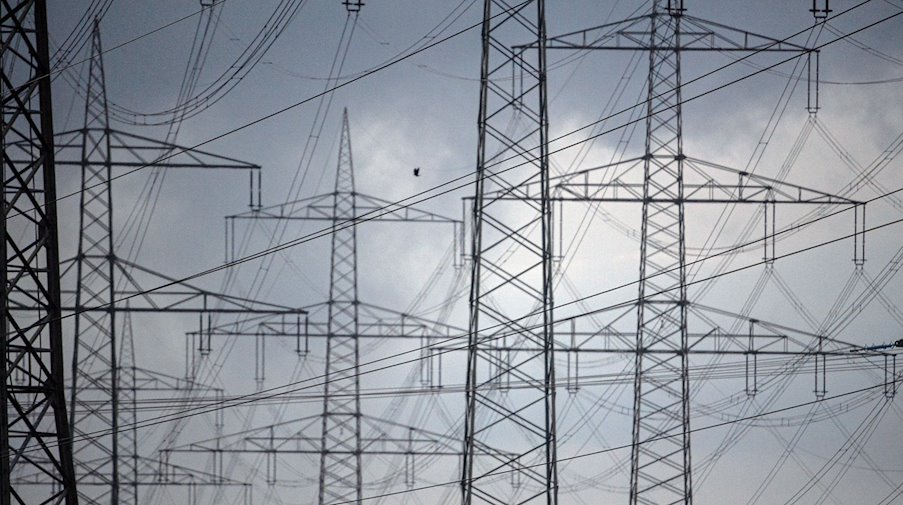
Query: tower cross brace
[{"x": 34, "y": 430}]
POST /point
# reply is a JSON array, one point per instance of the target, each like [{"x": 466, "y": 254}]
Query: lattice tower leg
[{"x": 34, "y": 429}]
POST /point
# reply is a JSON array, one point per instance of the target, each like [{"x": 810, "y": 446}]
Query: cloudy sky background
[{"x": 422, "y": 112}]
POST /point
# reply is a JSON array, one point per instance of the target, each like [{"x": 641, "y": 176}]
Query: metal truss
[
  {"x": 127, "y": 413},
  {"x": 103, "y": 280},
  {"x": 34, "y": 430},
  {"x": 660, "y": 461},
  {"x": 711, "y": 331},
  {"x": 340, "y": 443},
  {"x": 349, "y": 320},
  {"x": 320, "y": 208},
  {"x": 510, "y": 437},
  {"x": 298, "y": 437},
  {"x": 374, "y": 323}
]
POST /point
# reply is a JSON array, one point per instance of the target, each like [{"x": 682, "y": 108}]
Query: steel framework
[
  {"x": 34, "y": 431},
  {"x": 512, "y": 203},
  {"x": 99, "y": 381},
  {"x": 660, "y": 461},
  {"x": 340, "y": 448},
  {"x": 340, "y": 459},
  {"x": 510, "y": 436}
]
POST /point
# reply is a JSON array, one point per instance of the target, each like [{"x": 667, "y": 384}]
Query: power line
[
  {"x": 354, "y": 222},
  {"x": 274, "y": 391},
  {"x": 127, "y": 42},
  {"x": 560, "y": 137},
  {"x": 376, "y": 213},
  {"x": 629, "y": 446}
]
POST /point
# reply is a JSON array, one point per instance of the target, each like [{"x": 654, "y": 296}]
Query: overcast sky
[{"x": 422, "y": 112}]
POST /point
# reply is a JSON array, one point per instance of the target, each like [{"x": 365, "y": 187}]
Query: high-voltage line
[
  {"x": 838, "y": 346},
  {"x": 32, "y": 401},
  {"x": 743, "y": 419},
  {"x": 219, "y": 330},
  {"x": 272, "y": 393},
  {"x": 446, "y": 39}
]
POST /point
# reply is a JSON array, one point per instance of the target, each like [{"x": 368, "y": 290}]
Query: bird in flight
[{"x": 417, "y": 172}]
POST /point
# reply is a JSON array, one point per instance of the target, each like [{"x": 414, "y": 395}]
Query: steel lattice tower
[
  {"x": 510, "y": 438},
  {"x": 340, "y": 459},
  {"x": 660, "y": 471},
  {"x": 511, "y": 222},
  {"x": 127, "y": 398},
  {"x": 104, "y": 389},
  {"x": 340, "y": 444},
  {"x": 660, "y": 461},
  {"x": 34, "y": 430},
  {"x": 95, "y": 357}
]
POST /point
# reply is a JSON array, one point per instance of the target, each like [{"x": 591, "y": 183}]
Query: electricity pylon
[
  {"x": 660, "y": 462},
  {"x": 340, "y": 459},
  {"x": 510, "y": 436},
  {"x": 34, "y": 430},
  {"x": 660, "y": 458},
  {"x": 102, "y": 277},
  {"x": 341, "y": 443}
]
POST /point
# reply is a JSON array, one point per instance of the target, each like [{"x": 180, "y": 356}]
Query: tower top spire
[
  {"x": 96, "y": 112},
  {"x": 344, "y": 181}
]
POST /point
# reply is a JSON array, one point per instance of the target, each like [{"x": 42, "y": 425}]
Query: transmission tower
[
  {"x": 34, "y": 430},
  {"x": 340, "y": 444},
  {"x": 102, "y": 277},
  {"x": 340, "y": 461},
  {"x": 510, "y": 436},
  {"x": 514, "y": 184},
  {"x": 660, "y": 461}
]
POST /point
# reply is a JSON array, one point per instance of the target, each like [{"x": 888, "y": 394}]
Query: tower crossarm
[
  {"x": 299, "y": 437},
  {"x": 369, "y": 208},
  {"x": 321, "y": 208},
  {"x": 302, "y": 329},
  {"x": 173, "y": 295},
  {"x": 151, "y": 381},
  {"x": 696, "y": 34},
  {"x": 124, "y": 151},
  {"x": 170, "y": 474},
  {"x": 706, "y": 182},
  {"x": 153, "y": 473},
  {"x": 415, "y": 444},
  {"x": 133, "y": 151},
  {"x": 306, "y": 328},
  {"x": 751, "y": 347},
  {"x": 581, "y": 335}
]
